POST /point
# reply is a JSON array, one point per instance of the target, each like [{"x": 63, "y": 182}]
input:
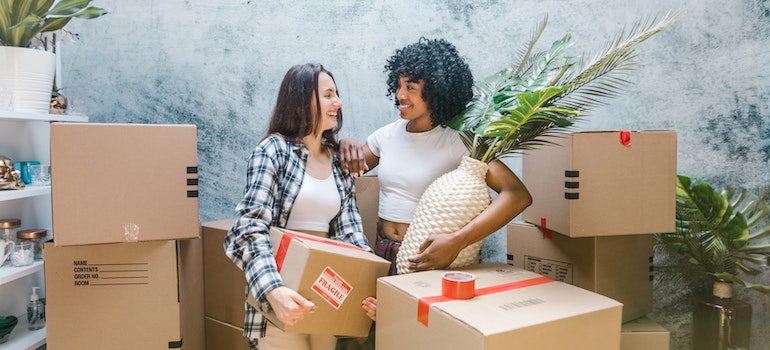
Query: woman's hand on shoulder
[
  {"x": 352, "y": 157},
  {"x": 289, "y": 306}
]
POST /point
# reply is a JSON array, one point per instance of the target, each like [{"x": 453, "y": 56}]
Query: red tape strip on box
[
  {"x": 288, "y": 236},
  {"x": 423, "y": 304},
  {"x": 625, "y": 137}
]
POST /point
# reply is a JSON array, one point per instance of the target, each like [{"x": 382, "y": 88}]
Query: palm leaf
[
  {"x": 719, "y": 231},
  {"x": 498, "y": 120}
]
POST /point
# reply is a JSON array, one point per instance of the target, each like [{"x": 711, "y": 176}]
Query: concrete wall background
[{"x": 217, "y": 64}]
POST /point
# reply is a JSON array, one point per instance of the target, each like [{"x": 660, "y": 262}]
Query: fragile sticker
[{"x": 331, "y": 287}]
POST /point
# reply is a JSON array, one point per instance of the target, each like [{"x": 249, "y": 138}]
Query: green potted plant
[
  {"x": 721, "y": 234},
  {"x": 27, "y": 73},
  {"x": 516, "y": 109}
]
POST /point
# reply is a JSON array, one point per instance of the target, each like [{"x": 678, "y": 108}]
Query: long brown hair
[{"x": 293, "y": 115}]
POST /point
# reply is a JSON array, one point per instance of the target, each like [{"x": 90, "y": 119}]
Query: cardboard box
[
  {"x": 368, "y": 199},
  {"x": 512, "y": 308},
  {"x": 146, "y": 295},
  {"x": 334, "y": 275},
  {"x": 644, "y": 334},
  {"x": 595, "y": 183},
  {"x": 116, "y": 183},
  {"x": 224, "y": 283},
  {"x": 619, "y": 267},
  {"x": 221, "y": 335}
]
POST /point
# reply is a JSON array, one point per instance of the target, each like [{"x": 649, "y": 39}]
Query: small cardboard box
[
  {"x": 603, "y": 183},
  {"x": 619, "y": 267},
  {"x": 512, "y": 308},
  {"x": 644, "y": 334},
  {"x": 116, "y": 183},
  {"x": 334, "y": 275},
  {"x": 145, "y": 295},
  {"x": 224, "y": 283},
  {"x": 368, "y": 199},
  {"x": 222, "y": 335}
]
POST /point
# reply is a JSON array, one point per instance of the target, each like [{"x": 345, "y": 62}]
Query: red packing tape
[
  {"x": 458, "y": 285},
  {"x": 288, "y": 236},
  {"x": 625, "y": 137},
  {"x": 423, "y": 304}
]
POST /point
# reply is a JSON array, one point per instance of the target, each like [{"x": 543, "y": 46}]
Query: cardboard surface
[
  {"x": 145, "y": 295},
  {"x": 224, "y": 283},
  {"x": 116, "y": 183},
  {"x": 644, "y": 334},
  {"x": 619, "y": 267},
  {"x": 334, "y": 275},
  {"x": 591, "y": 184},
  {"x": 550, "y": 315},
  {"x": 368, "y": 199},
  {"x": 221, "y": 335}
]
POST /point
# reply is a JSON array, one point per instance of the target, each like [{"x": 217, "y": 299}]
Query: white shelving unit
[{"x": 25, "y": 136}]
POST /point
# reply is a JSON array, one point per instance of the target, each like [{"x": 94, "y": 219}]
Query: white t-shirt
[
  {"x": 317, "y": 203},
  {"x": 409, "y": 163}
]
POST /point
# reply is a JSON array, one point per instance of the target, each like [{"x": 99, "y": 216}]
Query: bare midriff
[{"x": 394, "y": 231}]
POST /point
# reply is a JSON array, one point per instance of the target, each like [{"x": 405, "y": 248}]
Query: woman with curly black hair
[
  {"x": 447, "y": 78},
  {"x": 431, "y": 83}
]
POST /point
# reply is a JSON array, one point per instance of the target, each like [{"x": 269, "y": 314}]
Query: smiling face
[
  {"x": 411, "y": 105},
  {"x": 329, "y": 102}
]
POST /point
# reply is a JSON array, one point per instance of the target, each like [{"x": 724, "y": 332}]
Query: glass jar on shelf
[
  {"x": 36, "y": 236},
  {"x": 8, "y": 229}
]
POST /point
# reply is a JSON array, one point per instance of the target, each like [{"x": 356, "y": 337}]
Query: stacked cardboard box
[
  {"x": 224, "y": 291},
  {"x": 512, "y": 308},
  {"x": 124, "y": 269},
  {"x": 598, "y": 197}
]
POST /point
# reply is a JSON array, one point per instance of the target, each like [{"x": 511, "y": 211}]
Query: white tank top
[{"x": 317, "y": 203}]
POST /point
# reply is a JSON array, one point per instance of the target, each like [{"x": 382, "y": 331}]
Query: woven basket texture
[{"x": 448, "y": 204}]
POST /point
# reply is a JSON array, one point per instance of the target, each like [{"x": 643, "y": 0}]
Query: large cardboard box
[
  {"x": 334, "y": 275},
  {"x": 368, "y": 199},
  {"x": 145, "y": 295},
  {"x": 619, "y": 267},
  {"x": 644, "y": 334},
  {"x": 224, "y": 283},
  {"x": 123, "y": 182},
  {"x": 603, "y": 183},
  {"x": 222, "y": 335},
  {"x": 512, "y": 308}
]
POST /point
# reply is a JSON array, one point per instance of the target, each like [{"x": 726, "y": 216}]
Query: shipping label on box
[
  {"x": 511, "y": 307},
  {"x": 619, "y": 267},
  {"x": 145, "y": 295},
  {"x": 113, "y": 183},
  {"x": 334, "y": 275},
  {"x": 603, "y": 183}
]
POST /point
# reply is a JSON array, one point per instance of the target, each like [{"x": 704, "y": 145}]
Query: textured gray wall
[{"x": 217, "y": 64}]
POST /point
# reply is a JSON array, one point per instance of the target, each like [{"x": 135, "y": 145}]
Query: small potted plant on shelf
[
  {"x": 721, "y": 234},
  {"x": 21, "y": 21}
]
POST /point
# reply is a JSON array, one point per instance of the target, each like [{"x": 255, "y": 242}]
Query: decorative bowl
[{"x": 7, "y": 323}]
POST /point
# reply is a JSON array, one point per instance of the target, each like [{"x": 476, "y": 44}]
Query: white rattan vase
[
  {"x": 26, "y": 79},
  {"x": 448, "y": 204}
]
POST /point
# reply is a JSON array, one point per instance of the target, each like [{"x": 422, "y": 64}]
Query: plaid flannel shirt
[{"x": 274, "y": 177}]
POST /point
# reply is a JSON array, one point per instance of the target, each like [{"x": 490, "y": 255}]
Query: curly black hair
[{"x": 448, "y": 79}]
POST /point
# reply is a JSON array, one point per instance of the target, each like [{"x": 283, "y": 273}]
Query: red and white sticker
[{"x": 331, "y": 287}]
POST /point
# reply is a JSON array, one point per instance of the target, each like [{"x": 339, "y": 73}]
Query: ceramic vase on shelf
[
  {"x": 721, "y": 322},
  {"x": 26, "y": 79},
  {"x": 448, "y": 204}
]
